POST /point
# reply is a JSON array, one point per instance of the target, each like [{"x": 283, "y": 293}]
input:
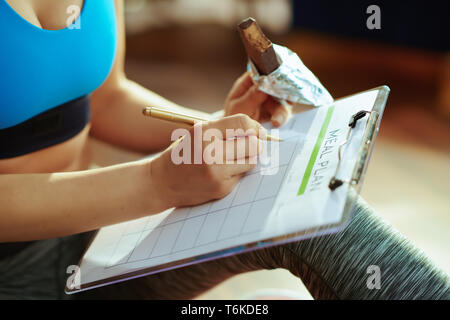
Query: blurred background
[{"x": 190, "y": 52}]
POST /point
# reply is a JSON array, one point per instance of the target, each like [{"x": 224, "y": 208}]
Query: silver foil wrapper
[{"x": 291, "y": 81}]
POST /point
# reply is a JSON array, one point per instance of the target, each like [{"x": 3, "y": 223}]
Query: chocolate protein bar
[{"x": 259, "y": 49}]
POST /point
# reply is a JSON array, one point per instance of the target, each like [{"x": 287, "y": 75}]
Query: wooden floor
[{"x": 408, "y": 180}]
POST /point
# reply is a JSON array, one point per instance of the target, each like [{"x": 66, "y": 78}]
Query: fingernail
[{"x": 278, "y": 119}]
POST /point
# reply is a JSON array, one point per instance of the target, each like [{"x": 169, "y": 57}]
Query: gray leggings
[{"x": 331, "y": 267}]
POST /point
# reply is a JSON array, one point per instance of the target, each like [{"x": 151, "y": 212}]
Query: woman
[{"x": 61, "y": 81}]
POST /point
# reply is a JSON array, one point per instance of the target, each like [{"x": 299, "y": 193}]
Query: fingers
[
  {"x": 240, "y": 86},
  {"x": 250, "y": 103},
  {"x": 239, "y": 145},
  {"x": 279, "y": 113},
  {"x": 237, "y": 150},
  {"x": 237, "y": 125},
  {"x": 247, "y": 99},
  {"x": 236, "y": 170},
  {"x": 240, "y": 155},
  {"x": 242, "y": 148}
]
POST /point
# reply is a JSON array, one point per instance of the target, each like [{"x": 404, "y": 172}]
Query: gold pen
[{"x": 158, "y": 113}]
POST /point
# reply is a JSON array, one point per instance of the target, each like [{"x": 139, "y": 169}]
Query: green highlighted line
[{"x": 315, "y": 151}]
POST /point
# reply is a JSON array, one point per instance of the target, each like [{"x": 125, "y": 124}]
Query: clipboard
[{"x": 366, "y": 119}]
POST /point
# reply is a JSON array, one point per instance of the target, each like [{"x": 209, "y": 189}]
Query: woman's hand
[
  {"x": 244, "y": 97},
  {"x": 188, "y": 183}
]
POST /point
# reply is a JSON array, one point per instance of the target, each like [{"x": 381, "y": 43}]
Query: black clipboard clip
[{"x": 371, "y": 129}]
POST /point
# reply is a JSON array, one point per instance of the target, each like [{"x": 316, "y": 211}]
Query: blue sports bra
[{"x": 44, "y": 71}]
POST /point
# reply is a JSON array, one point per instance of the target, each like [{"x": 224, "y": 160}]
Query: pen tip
[{"x": 273, "y": 138}]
